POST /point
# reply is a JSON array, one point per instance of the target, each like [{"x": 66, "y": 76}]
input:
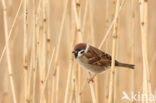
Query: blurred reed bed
[{"x": 38, "y": 36}]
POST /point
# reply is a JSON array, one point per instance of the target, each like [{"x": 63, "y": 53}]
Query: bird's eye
[{"x": 82, "y": 52}]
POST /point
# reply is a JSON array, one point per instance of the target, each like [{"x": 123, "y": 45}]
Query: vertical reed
[
  {"x": 144, "y": 33},
  {"x": 10, "y": 69},
  {"x": 77, "y": 21},
  {"x": 114, "y": 36},
  {"x": 34, "y": 51},
  {"x": 10, "y": 32},
  {"x": 39, "y": 36},
  {"x": 25, "y": 52},
  {"x": 111, "y": 25},
  {"x": 58, "y": 48},
  {"x": 47, "y": 76},
  {"x": 70, "y": 79},
  {"x": 77, "y": 72},
  {"x": 91, "y": 15}
]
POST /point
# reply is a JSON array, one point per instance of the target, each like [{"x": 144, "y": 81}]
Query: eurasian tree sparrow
[{"x": 94, "y": 60}]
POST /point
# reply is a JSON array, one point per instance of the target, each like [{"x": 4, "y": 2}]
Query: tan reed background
[{"x": 37, "y": 38}]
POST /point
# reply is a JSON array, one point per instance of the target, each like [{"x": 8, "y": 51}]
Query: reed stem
[
  {"x": 114, "y": 36},
  {"x": 10, "y": 69},
  {"x": 144, "y": 33}
]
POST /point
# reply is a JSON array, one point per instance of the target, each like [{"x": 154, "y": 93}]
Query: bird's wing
[{"x": 98, "y": 57}]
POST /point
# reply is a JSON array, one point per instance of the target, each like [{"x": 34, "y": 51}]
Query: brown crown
[{"x": 80, "y": 46}]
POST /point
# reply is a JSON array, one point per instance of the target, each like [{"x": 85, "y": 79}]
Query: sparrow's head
[{"x": 80, "y": 49}]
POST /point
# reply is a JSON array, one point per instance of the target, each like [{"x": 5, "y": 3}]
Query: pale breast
[{"x": 83, "y": 61}]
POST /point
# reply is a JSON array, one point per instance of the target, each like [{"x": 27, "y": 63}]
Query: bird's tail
[{"x": 130, "y": 66}]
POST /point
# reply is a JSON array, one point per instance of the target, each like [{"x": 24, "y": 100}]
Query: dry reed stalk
[
  {"x": 112, "y": 24},
  {"x": 107, "y": 11},
  {"x": 47, "y": 75},
  {"x": 91, "y": 15},
  {"x": 8, "y": 52},
  {"x": 57, "y": 84},
  {"x": 53, "y": 88},
  {"x": 34, "y": 67},
  {"x": 58, "y": 46},
  {"x": 75, "y": 78},
  {"x": 34, "y": 63},
  {"x": 48, "y": 45},
  {"x": 10, "y": 32},
  {"x": 25, "y": 53},
  {"x": 34, "y": 54},
  {"x": 43, "y": 67},
  {"x": 76, "y": 11},
  {"x": 70, "y": 73},
  {"x": 31, "y": 69},
  {"x": 106, "y": 90},
  {"x": 72, "y": 96},
  {"x": 48, "y": 25},
  {"x": 93, "y": 43},
  {"x": 76, "y": 6},
  {"x": 60, "y": 33},
  {"x": 84, "y": 16},
  {"x": 111, "y": 88},
  {"x": 76, "y": 96},
  {"x": 106, "y": 45},
  {"x": 144, "y": 33},
  {"x": 131, "y": 34},
  {"x": 80, "y": 32},
  {"x": 80, "y": 39},
  {"x": 79, "y": 81},
  {"x": 92, "y": 89},
  {"x": 114, "y": 36},
  {"x": 110, "y": 28},
  {"x": 68, "y": 82},
  {"x": 77, "y": 73},
  {"x": 43, "y": 49},
  {"x": 152, "y": 63}
]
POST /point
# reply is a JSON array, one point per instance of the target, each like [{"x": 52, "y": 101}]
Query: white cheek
[{"x": 79, "y": 54}]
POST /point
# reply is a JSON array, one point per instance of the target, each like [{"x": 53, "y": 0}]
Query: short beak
[{"x": 75, "y": 53}]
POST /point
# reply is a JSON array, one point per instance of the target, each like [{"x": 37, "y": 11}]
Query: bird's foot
[{"x": 91, "y": 80}]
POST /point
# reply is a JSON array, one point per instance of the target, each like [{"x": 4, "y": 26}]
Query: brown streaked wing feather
[
  {"x": 98, "y": 57},
  {"x": 93, "y": 59}
]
